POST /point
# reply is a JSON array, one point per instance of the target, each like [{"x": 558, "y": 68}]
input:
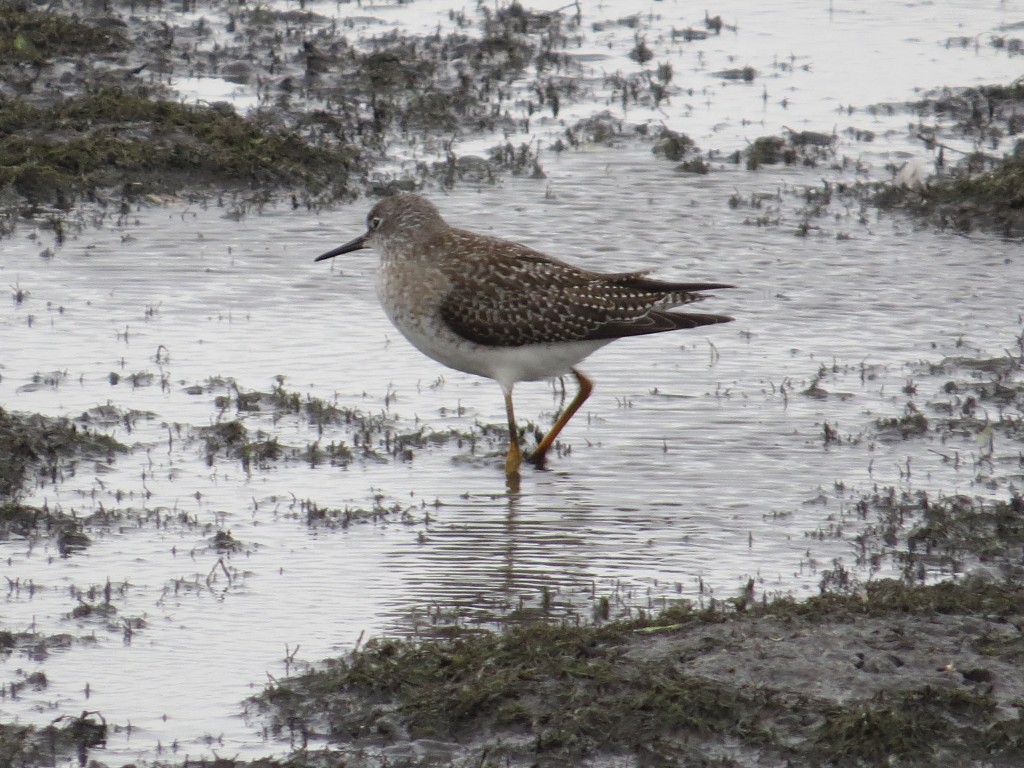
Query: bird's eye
[{"x": 375, "y": 223}]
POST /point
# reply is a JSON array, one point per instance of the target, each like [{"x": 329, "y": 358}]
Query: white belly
[
  {"x": 420, "y": 322},
  {"x": 506, "y": 365}
]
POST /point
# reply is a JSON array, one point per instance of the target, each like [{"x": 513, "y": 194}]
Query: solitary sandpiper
[{"x": 499, "y": 309}]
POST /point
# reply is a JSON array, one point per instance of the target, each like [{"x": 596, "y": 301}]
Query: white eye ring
[{"x": 375, "y": 223}]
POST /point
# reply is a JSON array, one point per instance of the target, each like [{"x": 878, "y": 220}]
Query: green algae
[
  {"x": 975, "y": 190},
  {"x": 33, "y": 37},
  {"x": 563, "y": 685},
  {"x": 79, "y": 146},
  {"x": 25, "y": 745},
  {"x": 36, "y": 446}
]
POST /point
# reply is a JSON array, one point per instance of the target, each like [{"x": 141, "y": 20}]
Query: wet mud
[{"x": 923, "y": 675}]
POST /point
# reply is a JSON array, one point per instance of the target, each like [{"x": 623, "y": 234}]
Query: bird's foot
[
  {"x": 539, "y": 459},
  {"x": 514, "y": 460}
]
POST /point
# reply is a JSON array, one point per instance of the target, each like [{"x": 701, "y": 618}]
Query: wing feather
[{"x": 510, "y": 295}]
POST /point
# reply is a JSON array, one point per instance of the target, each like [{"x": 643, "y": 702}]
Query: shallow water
[{"x": 690, "y": 471}]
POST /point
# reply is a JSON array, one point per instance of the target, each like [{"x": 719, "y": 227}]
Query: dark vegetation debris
[
  {"x": 36, "y": 448},
  {"x": 980, "y": 189},
  {"x": 83, "y": 118},
  {"x": 119, "y": 143}
]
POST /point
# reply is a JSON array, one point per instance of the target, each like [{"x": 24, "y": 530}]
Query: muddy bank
[
  {"x": 922, "y": 675},
  {"x": 88, "y": 115}
]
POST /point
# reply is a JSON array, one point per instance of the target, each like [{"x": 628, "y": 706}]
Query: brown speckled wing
[{"x": 509, "y": 295}]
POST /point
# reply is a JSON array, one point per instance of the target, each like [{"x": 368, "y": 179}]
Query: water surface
[{"x": 695, "y": 467}]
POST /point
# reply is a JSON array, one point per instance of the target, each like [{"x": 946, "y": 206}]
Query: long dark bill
[{"x": 351, "y": 245}]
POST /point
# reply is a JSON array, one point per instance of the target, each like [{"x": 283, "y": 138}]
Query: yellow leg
[
  {"x": 515, "y": 456},
  {"x": 537, "y": 458}
]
